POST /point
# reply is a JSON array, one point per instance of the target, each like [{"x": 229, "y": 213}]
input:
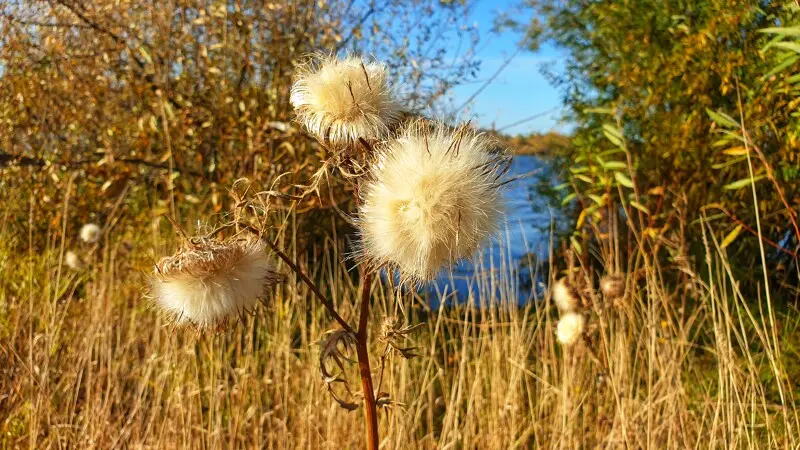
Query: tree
[
  {"x": 657, "y": 91},
  {"x": 189, "y": 95}
]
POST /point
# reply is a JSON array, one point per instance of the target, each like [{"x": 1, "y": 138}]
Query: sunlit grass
[{"x": 87, "y": 363}]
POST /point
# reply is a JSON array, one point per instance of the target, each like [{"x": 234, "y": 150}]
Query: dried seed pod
[{"x": 612, "y": 286}]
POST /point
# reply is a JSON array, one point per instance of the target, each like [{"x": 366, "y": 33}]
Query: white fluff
[
  {"x": 570, "y": 328},
  {"x": 344, "y": 99},
  {"x": 431, "y": 198},
  {"x": 563, "y": 296},
  {"x": 72, "y": 260},
  {"x": 90, "y": 233},
  {"x": 212, "y": 281}
]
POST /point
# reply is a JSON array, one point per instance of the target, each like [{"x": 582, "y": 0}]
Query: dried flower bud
[
  {"x": 392, "y": 333},
  {"x": 612, "y": 286}
]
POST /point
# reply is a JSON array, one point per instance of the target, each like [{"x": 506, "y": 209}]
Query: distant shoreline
[{"x": 535, "y": 144}]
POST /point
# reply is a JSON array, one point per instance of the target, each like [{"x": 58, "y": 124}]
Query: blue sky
[{"x": 520, "y": 90}]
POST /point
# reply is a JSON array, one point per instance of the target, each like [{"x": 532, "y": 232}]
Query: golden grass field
[{"x": 88, "y": 363}]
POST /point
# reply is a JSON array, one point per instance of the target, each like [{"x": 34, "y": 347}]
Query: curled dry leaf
[
  {"x": 384, "y": 400},
  {"x": 336, "y": 348}
]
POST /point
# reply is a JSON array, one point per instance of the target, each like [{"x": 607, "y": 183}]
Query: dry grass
[{"x": 87, "y": 364}]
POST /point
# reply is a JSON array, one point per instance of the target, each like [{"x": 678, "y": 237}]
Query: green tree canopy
[{"x": 657, "y": 90}]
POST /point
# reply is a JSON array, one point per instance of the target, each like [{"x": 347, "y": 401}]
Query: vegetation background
[{"x": 682, "y": 175}]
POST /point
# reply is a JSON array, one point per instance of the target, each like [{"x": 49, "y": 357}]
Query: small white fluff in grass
[
  {"x": 570, "y": 328},
  {"x": 210, "y": 281},
  {"x": 612, "y": 286},
  {"x": 72, "y": 260},
  {"x": 90, "y": 233},
  {"x": 564, "y": 297},
  {"x": 431, "y": 198},
  {"x": 344, "y": 99}
]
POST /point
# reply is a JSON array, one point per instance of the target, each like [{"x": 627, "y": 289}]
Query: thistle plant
[{"x": 426, "y": 195}]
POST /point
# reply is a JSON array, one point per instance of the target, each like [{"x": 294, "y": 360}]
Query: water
[{"x": 523, "y": 240}]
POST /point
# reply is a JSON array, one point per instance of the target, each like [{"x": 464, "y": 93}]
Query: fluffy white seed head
[
  {"x": 90, "y": 233},
  {"x": 570, "y": 328},
  {"x": 431, "y": 198},
  {"x": 72, "y": 260},
  {"x": 564, "y": 297},
  {"x": 211, "y": 281},
  {"x": 344, "y": 99}
]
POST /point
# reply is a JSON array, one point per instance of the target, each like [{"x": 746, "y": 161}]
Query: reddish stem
[
  {"x": 363, "y": 365},
  {"x": 299, "y": 271}
]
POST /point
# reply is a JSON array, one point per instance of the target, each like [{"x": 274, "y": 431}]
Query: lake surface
[{"x": 524, "y": 239}]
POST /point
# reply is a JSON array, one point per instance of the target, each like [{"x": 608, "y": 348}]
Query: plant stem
[
  {"x": 363, "y": 365},
  {"x": 299, "y": 271}
]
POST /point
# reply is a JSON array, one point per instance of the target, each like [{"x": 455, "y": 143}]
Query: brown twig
[
  {"x": 299, "y": 271},
  {"x": 750, "y": 229},
  {"x": 10, "y": 159},
  {"x": 789, "y": 210}
]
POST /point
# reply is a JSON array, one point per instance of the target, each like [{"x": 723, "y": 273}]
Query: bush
[{"x": 669, "y": 98}]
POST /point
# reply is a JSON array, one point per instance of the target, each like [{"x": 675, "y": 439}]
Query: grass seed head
[
  {"x": 342, "y": 100},
  {"x": 209, "y": 281},
  {"x": 431, "y": 198},
  {"x": 90, "y": 233}
]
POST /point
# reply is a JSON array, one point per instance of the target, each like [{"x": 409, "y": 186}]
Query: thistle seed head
[
  {"x": 342, "y": 100},
  {"x": 210, "y": 281},
  {"x": 72, "y": 260},
  {"x": 90, "y": 233},
  {"x": 564, "y": 296},
  {"x": 612, "y": 286},
  {"x": 570, "y": 328},
  {"x": 431, "y": 198}
]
